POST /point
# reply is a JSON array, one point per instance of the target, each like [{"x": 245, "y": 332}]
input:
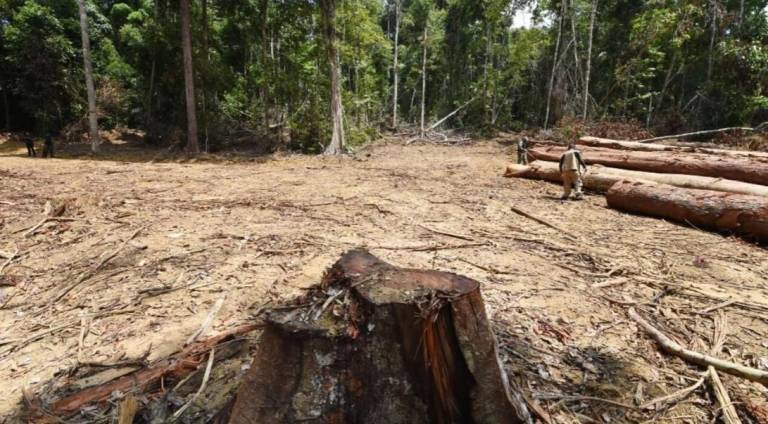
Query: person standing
[
  {"x": 48, "y": 146},
  {"x": 572, "y": 167},
  {"x": 30, "y": 142},
  {"x": 522, "y": 151}
]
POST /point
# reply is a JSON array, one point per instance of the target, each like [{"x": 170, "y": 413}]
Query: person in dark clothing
[
  {"x": 522, "y": 150},
  {"x": 48, "y": 146},
  {"x": 30, "y": 142}
]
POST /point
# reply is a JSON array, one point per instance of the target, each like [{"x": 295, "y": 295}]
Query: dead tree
[
  {"x": 374, "y": 343},
  {"x": 93, "y": 122}
]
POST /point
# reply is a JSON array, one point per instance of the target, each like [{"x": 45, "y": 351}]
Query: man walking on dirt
[{"x": 571, "y": 165}]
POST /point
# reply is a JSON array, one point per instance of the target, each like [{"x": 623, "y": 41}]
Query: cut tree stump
[
  {"x": 601, "y": 178},
  {"x": 374, "y": 343},
  {"x": 752, "y": 170},
  {"x": 737, "y": 213}
]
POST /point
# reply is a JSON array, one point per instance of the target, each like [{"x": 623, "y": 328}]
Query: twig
[
  {"x": 542, "y": 222},
  {"x": 206, "y": 376},
  {"x": 8, "y": 262},
  {"x": 568, "y": 398},
  {"x": 43, "y": 221},
  {"x": 207, "y": 322},
  {"x": 716, "y": 307},
  {"x": 729, "y": 412},
  {"x": 704, "y": 133},
  {"x": 680, "y": 394},
  {"x": 444, "y": 233},
  {"x": 699, "y": 358},
  {"x": 88, "y": 274}
]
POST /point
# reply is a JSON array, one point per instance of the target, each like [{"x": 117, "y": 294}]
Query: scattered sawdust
[{"x": 261, "y": 232}]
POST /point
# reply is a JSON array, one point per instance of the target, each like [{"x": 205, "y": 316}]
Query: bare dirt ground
[{"x": 143, "y": 251}]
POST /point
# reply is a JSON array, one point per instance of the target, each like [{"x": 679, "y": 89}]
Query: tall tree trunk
[
  {"x": 202, "y": 80},
  {"x": 265, "y": 65},
  {"x": 712, "y": 40},
  {"x": 554, "y": 63},
  {"x": 189, "y": 76},
  {"x": 395, "y": 70},
  {"x": 585, "y": 109},
  {"x": 6, "y": 109},
  {"x": 93, "y": 124},
  {"x": 423, "y": 79},
  {"x": 337, "y": 108}
]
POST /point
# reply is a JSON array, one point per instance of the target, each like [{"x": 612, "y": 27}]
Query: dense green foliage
[{"x": 262, "y": 73}]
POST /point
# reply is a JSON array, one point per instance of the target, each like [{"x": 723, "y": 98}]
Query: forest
[
  {"x": 266, "y": 68},
  {"x": 384, "y": 211}
]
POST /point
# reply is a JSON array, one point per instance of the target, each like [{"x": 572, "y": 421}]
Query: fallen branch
[
  {"x": 726, "y": 406},
  {"x": 177, "y": 365},
  {"x": 699, "y": 358},
  {"x": 42, "y": 222},
  {"x": 8, "y": 262},
  {"x": 678, "y": 395},
  {"x": 758, "y": 128},
  {"x": 542, "y": 222},
  {"x": 450, "y": 114}
]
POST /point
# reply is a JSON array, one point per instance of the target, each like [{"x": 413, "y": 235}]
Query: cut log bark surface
[
  {"x": 650, "y": 147},
  {"x": 374, "y": 343},
  {"x": 601, "y": 178},
  {"x": 751, "y": 170},
  {"x": 738, "y": 213}
]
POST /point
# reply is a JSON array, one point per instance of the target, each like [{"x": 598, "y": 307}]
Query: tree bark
[
  {"x": 741, "y": 214},
  {"x": 93, "y": 123},
  {"x": 6, "y": 109},
  {"x": 554, "y": 63},
  {"x": 648, "y": 147},
  {"x": 423, "y": 80},
  {"x": 336, "y": 145},
  {"x": 189, "y": 76},
  {"x": 751, "y": 170},
  {"x": 395, "y": 70},
  {"x": 585, "y": 109},
  {"x": 386, "y": 345},
  {"x": 600, "y": 178}
]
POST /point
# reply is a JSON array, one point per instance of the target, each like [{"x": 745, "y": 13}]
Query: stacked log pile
[{"x": 717, "y": 189}]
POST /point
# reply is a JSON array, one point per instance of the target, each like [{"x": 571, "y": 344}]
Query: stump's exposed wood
[
  {"x": 751, "y": 170},
  {"x": 601, "y": 178},
  {"x": 738, "y": 213},
  {"x": 393, "y": 346}
]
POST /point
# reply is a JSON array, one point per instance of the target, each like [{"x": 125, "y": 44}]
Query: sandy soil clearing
[{"x": 253, "y": 232}]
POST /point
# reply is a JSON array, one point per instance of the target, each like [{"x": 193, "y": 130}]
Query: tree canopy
[{"x": 261, "y": 66}]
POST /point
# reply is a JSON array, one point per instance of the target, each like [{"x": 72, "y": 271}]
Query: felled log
[
  {"x": 751, "y": 170},
  {"x": 601, "y": 178},
  {"x": 650, "y": 147},
  {"x": 736, "y": 213},
  {"x": 374, "y": 343}
]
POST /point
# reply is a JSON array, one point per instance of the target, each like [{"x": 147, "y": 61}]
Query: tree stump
[{"x": 374, "y": 343}]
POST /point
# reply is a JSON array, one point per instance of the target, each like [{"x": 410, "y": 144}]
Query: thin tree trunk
[
  {"x": 202, "y": 80},
  {"x": 265, "y": 52},
  {"x": 189, "y": 77},
  {"x": 554, "y": 63},
  {"x": 712, "y": 40},
  {"x": 6, "y": 109},
  {"x": 741, "y": 13},
  {"x": 585, "y": 109},
  {"x": 423, "y": 79},
  {"x": 395, "y": 69},
  {"x": 337, "y": 108},
  {"x": 93, "y": 124}
]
